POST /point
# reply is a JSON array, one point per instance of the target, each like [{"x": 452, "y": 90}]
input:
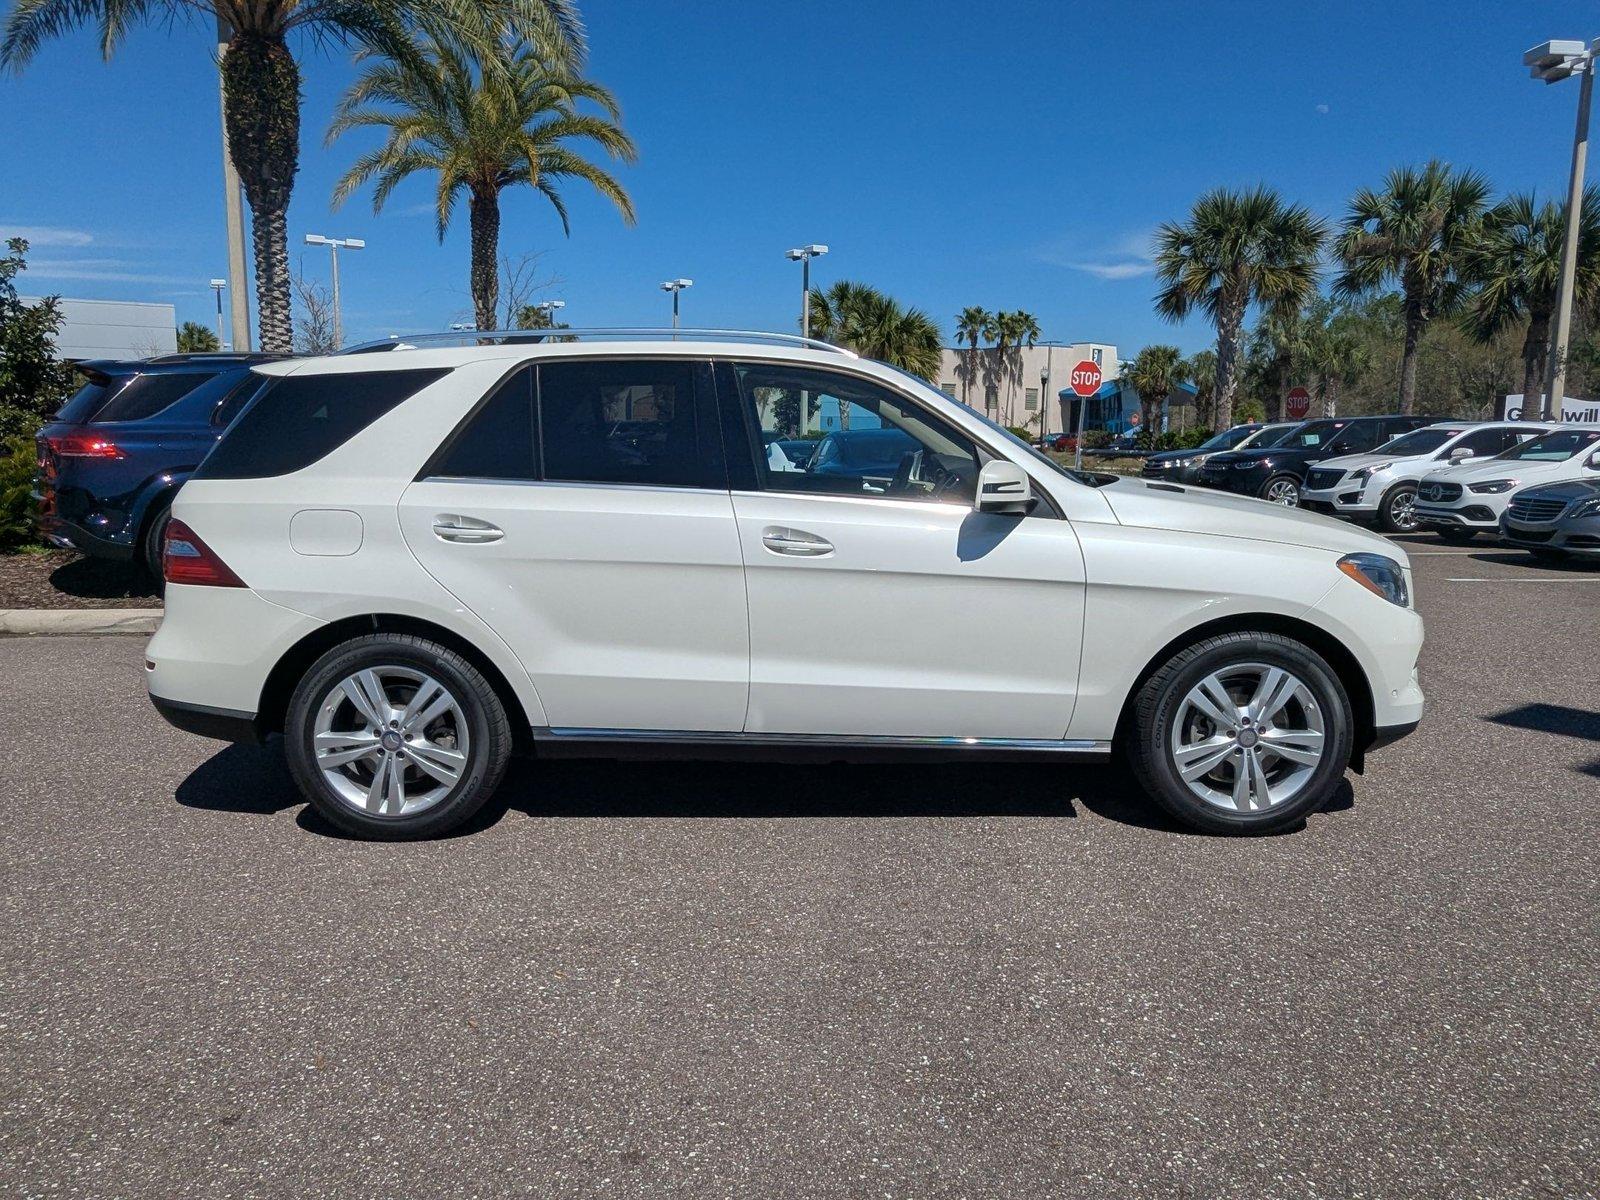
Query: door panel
[
  {"x": 907, "y": 618},
  {"x": 625, "y": 604}
]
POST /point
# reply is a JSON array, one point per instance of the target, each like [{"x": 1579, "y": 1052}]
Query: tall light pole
[
  {"x": 803, "y": 255},
  {"x": 335, "y": 245},
  {"x": 216, "y": 286},
  {"x": 549, "y": 308},
  {"x": 675, "y": 286},
  {"x": 1553, "y": 62},
  {"x": 233, "y": 210}
]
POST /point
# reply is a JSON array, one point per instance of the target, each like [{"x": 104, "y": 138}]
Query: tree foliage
[
  {"x": 33, "y": 382},
  {"x": 195, "y": 338},
  {"x": 876, "y": 325}
]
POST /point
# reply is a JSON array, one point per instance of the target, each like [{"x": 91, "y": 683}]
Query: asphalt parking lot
[{"x": 695, "y": 981}]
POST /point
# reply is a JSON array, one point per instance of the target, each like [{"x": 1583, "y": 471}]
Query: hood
[
  {"x": 1525, "y": 471},
  {"x": 1154, "y": 505},
  {"x": 1354, "y": 462},
  {"x": 1571, "y": 489},
  {"x": 1179, "y": 455}
]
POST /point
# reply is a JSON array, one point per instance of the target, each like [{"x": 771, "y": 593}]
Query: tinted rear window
[
  {"x": 146, "y": 395},
  {"x": 86, "y": 401},
  {"x": 300, "y": 419},
  {"x": 497, "y": 442}
]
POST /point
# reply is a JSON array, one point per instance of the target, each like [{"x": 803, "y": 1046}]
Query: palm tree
[
  {"x": 482, "y": 124},
  {"x": 1153, "y": 373},
  {"x": 1417, "y": 231},
  {"x": 972, "y": 326},
  {"x": 875, "y": 325},
  {"x": 1236, "y": 249},
  {"x": 1335, "y": 354},
  {"x": 1200, "y": 369},
  {"x": 1515, "y": 268},
  {"x": 1281, "y": 337},
  {"x": 261, "y": 82}
]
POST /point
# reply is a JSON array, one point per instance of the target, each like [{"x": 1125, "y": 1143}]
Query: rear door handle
[
  {"x": 453, "y": 527},
  {"x": 797, "y": 543}
]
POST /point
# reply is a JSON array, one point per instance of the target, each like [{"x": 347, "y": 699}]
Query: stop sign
[
  {"x": 1297, "y": 404},
  {"x": 1085, "y": 378}
]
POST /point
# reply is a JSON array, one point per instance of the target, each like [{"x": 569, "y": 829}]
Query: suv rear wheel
[
  {"x": 152, "y": 544},
  {"x": 1282, "y": 489},
  {"x": 392, "y": 736},
  {"x": 1241, "y": 733}
]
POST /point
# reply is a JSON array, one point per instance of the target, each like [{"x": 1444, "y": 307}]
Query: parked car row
[{"x": 1534, "y": 485}]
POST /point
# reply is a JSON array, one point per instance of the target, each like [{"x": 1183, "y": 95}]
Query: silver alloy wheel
[
  {"x": 1403, "y": 510},
  {"x": 1283, "y": 491},
  {"x": 1248, "y": 737},
  {"x": 390, "y": 741}
]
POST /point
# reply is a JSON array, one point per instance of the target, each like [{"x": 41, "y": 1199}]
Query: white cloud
[
  {"x": 45, "y": 235},
  {"x": 106, "y": 270},
  {"x": 1123, "y": 257},
  {"x": 1113, "y": 270},
  {"x": 1322, "y": 108}
]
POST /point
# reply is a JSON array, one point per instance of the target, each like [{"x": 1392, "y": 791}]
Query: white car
[
  {"x": 1460, "y": 501},
  {"x": 1381, "y": 485},
  {"x": 413, "y": 563}
]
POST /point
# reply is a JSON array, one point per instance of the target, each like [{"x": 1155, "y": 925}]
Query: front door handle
[
  {"x": 453, "y": 527},
  {"x": 794, "y": 542}
]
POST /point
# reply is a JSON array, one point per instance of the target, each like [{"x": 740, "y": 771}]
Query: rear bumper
[
  {"x": 1388, "y": 735},
  {"x": 68, "y": 535},
  {"x": 224, "y": 724}
]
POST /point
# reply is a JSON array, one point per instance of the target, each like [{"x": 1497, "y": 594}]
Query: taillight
[
  {"x": 84, "y": 445},
  {"x": 186, "y": 559}
]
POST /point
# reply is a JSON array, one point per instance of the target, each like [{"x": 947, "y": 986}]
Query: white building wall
[
  {"x": 114, "y": 329},
  {"x": 1001, "y": 390}
]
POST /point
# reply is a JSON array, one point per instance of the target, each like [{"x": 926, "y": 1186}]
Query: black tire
[
  {"x": 1455, "y": 533},
  {"x": 1403, "y": 521},
  {"x": 152, "y": 543},
  {"x": 489, "y": 735},
  {"x": 1287, "y": 485},
  {"x": 1147, "y": 733}
]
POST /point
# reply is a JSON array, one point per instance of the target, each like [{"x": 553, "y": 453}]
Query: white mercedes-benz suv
[
  {"x": 1461, "y": 501},
  {"x": 1381, "y": 485},
  {"x": 413, "y": 563}
]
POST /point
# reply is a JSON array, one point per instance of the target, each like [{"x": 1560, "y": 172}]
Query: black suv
[
  {"x": 1278, "y": 472},
  {"x": 113, "y": 458}
]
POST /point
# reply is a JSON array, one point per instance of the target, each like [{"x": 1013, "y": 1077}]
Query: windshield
[
  {"x": 1555, "y": 446},
  {"x": 1311, "y": 435},
  {"x": 1227, "y": 439},
  {"x": 1419, "y": 441}
]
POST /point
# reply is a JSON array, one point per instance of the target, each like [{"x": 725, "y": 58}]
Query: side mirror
[
  {"x": 1459, "y": 453},
  {"x": 1594, "y": 461},
  {"x": 1003, "y": 487}
]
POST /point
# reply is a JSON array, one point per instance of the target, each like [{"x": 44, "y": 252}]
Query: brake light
[
  {"x": 186, "y": 559},
  {"x": 84, "y": 445}
]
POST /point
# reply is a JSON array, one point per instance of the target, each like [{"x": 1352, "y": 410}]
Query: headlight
[
  {"x": 1492, "y": 487},
  {"x": 1248, "y": 466},
  {"x": 1586, "y": 508},
  {"x": 1367, "y": 473},
  {"x": 1378, "y": 574}
]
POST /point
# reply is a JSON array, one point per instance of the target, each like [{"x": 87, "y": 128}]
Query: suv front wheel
[
  {"x": 392, "y": 736},
  {"x": 1241, "y": 733}
]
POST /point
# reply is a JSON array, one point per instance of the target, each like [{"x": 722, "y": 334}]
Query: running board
[{"x": 672, "y": 744}]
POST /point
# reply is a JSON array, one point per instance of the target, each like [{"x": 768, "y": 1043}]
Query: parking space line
[{"x": 1531, "y": 579}]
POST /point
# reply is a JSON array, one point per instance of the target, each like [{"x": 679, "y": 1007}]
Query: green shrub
[
  {"x": 1096, "y": 439},
  {"x": 1022, "y": 431},
  {"x": 17, "y": 466}
]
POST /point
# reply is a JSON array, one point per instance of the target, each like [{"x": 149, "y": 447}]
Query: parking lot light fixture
[
  {"x": 216, "y": 286},
  {"x": 1552, "y": 62},
  {"x": 335, "y": 245},
  {"x": 803, "y": 255},
  {"x": 549, "y": 308},
  {"x": 675, "y": 286}
]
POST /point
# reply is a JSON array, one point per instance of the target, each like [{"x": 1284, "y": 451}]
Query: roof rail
[{"x": 478, "y": 337}]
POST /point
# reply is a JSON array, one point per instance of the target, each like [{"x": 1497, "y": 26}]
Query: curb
[{"x": 35, "y": 622}]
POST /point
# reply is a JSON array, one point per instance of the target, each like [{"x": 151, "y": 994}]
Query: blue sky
[{"x": 1014, "y": 155}]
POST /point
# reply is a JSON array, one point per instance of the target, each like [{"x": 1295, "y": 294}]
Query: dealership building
[
  {"x": 113, "y": 329},
  {"x": 1011, "y": 390}
]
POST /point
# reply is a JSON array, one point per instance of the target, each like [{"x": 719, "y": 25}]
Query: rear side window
[
  {"x": 300, "y": 419},
  {"x": 497, "y": 442},
  {"x": 231, "y": 405},
  {"x": 146, "y": 395},
  {"x": 622, "y": 421},
  {"x": 89, "y": 399}
]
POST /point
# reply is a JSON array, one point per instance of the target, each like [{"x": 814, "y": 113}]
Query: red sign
[
  {"x": 1297, "y": 405},
  {"x": 1085, "y": 378}
]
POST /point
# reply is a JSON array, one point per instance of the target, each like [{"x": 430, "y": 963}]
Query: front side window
[
  {"x": 1486, "y": 443},
  {"x": 623, "y": 421},
  {"x": 1355, "y": 440},
  {"x": 1556, "y": 446},
  {"x": 1311, "y": 435},
  {"x": 868, "y": 439}
]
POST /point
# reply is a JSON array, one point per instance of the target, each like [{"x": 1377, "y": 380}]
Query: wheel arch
[
  {"x": 297, "y": 659},
  {"x": 1334, "y": 652}
]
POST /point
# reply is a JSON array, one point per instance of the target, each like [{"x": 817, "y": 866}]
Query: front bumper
[
  {"x": 1342, "y": 499},
  {"x": 1226, "y": 479},
  {"x": 1470, "y": 515},
  {"x": 1581, "y": 536}
]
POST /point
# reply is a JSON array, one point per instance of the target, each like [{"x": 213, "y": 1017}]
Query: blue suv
[{"x": 113, "y": 458}]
